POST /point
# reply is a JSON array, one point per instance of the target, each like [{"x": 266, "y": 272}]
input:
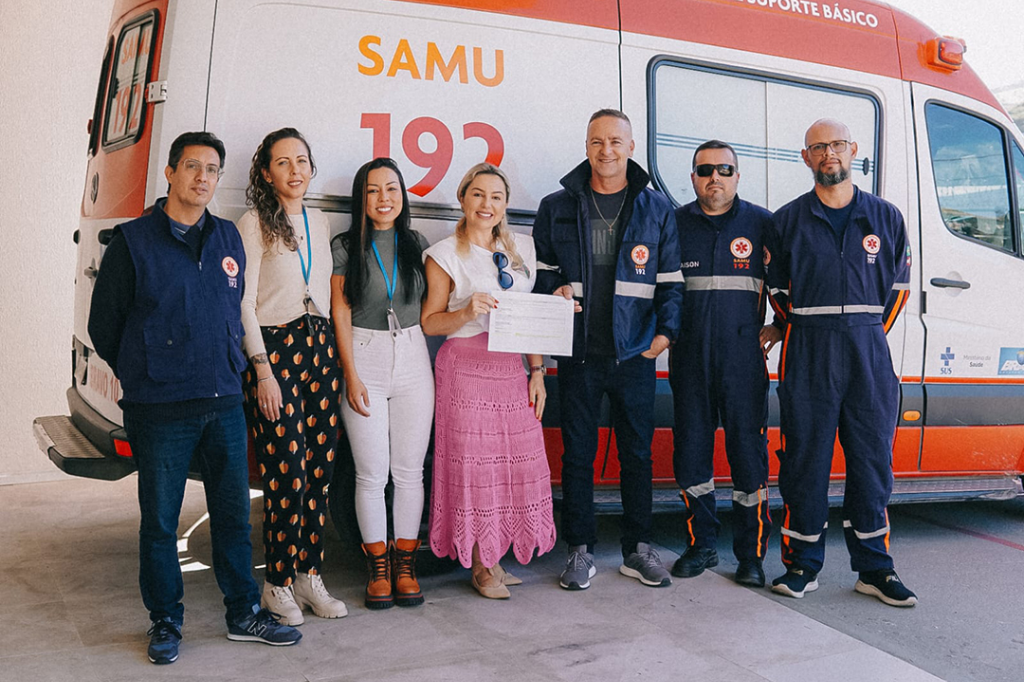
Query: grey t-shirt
[{"x": 372, "y": 312}]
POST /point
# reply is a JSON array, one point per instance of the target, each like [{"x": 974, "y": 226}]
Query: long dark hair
[
  {"x": 261, "y": 195},
  {"x": 358, "y": 241}
]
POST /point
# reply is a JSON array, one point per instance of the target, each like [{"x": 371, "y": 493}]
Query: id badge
[{"x": 393, "y": 326}]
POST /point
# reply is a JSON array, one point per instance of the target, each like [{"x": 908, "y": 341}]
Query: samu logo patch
[
  {"x": 872, "y": 244},
  {"x": 230, "y": 267},
  {"x": 640, "y": 255}
]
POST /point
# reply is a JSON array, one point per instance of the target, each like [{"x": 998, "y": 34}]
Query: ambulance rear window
[
  {"x": 763, "y": 118},
  {"x": 127, "y": 95},
  {"x": 969, "y": 163}
]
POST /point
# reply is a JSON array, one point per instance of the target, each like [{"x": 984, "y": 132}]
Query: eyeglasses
[
  {"x": 838, "y": 146},
  {"x": 505, "y": 280},
  {"x": 193, "y": 166},
  {"x": 705, "y": 170}
]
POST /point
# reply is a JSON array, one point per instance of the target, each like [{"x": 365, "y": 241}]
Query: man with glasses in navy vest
[
  {"x": 717, "y": 368},
  {"x": 838, "y": 272},
  {"x": 166, "y": 317}
]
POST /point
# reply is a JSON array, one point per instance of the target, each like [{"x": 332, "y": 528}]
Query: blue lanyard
[
  {"x": 306, "y": 263},
  {"x": 389, "y": 283}
]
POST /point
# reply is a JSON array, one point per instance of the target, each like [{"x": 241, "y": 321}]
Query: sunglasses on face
[
  {"x": 705, "y": 170},
  {"x": 504, "y": 278}
]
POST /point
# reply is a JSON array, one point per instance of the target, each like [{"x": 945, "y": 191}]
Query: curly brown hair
[{"x": 261, "y": 196}]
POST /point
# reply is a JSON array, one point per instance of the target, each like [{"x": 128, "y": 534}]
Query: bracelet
[
  {"x": 536, "y": 368},
  {"x": 264, "y": 379}
]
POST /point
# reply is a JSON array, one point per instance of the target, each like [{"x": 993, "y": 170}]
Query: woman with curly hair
[
  {"x": 293, "y": 382},
  {"x": 492, "y": 486},
  {"x": 377, "y": 289}
]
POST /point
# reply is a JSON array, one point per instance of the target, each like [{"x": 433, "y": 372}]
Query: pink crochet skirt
[{"x": 492, "y": 485}]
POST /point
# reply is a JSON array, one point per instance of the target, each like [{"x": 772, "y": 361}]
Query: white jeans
[{"x": 395, "y": 368}]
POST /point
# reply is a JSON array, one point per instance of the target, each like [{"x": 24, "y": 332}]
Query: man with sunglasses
[
  {"x": 166, "y": 318},
  {"x": 838, "y": 271},
  {"x": 717, "y": 368},
  {"x": 610, "y": 242}
]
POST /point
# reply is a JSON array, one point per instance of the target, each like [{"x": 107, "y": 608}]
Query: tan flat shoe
[
  {"x": 491, "y": 591},
  {"x": 506, "y": 577}
]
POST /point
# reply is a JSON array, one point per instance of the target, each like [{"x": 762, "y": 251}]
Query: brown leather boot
[
  {"x": 378, "y": 587},
  {"x": 403, "y": 568}
]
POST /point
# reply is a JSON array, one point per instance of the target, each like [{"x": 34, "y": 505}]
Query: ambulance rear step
[{"x": 75, "y": 454}]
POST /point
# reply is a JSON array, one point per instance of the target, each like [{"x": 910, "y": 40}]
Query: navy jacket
[
  {"x": 723, "y": 271},
  {"x": 815, "y": 283},
  {"x": 176, "y": 335},
  {"x": 648, "y": 282}
]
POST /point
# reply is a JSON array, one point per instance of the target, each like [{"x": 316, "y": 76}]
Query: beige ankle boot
[
  {"x": 281, "y": 600},
  {"x": 310, "y": 591}
]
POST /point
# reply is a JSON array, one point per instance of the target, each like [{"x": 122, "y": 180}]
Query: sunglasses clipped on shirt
[
  {"x": 705, "y": 170},
  {"x": 504, "y": 278}
]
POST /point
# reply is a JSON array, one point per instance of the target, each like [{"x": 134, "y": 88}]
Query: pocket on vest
[
  {"x": 238, "y": 360},
  {"x": 168, "y": 352}
]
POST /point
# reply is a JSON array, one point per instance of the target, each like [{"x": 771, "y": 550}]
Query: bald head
[{"x": 826, "y": 130}]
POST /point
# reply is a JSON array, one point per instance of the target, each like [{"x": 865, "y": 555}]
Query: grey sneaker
[
  {"x": 645, "y": 565},
  {"x": 579, "y": 569}
]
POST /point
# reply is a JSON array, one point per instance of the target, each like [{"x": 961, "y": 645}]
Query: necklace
[{"x": 610, "y": 224}]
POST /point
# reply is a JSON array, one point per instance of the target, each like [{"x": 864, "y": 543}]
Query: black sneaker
[
  {"x": 887, "y": 587},
  {"x": 164, "y": 637},
  {"x": 750, "y": 572},
  {"x": 263, "y": 626},
  {"x": 795, "y": 583},
  {"x": 694, "y": 561}
]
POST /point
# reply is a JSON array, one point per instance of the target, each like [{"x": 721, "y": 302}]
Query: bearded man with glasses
[
  {"x": 838, "y": 273},
  {"x": 717, "y": 368}
]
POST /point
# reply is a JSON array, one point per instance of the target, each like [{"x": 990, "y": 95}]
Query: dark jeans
[
  {"x": 630, "y": 386},
  {"x": 163, "y": 450}
]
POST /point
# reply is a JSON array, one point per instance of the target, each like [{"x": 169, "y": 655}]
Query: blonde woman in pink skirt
[{"x": 492, "y": 485}]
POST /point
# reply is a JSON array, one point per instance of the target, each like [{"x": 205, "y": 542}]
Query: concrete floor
[{"x": 71, "y": 611}]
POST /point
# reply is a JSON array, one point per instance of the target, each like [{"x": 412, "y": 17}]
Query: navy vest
[{"x": 183, "y": 337}]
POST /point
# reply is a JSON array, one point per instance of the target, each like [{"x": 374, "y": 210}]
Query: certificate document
[{"x": 531, "y": 323}]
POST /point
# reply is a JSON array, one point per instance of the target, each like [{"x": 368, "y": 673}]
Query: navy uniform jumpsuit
[
  {"x": 840, "y": 296},
  {"x": 718, "y": 373}
]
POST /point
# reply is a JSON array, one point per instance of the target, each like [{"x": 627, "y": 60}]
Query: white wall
[{"x": 50, "y": 52}]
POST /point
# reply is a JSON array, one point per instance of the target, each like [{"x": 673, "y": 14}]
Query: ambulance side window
[
  {"x": 763, "y": 118},
  {"x": 1018, "y": 179},
  {"x": 969, "y": 165},
  {"x": 126, "y": 98}
]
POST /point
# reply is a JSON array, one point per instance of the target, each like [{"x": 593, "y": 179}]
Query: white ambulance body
[{"x": 440, "y": 85}]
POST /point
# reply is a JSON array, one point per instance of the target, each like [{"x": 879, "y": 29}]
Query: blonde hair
[{"x": 500, "y": 232}]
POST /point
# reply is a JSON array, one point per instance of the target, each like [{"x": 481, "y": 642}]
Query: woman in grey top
[{"x": 376, "y": 291}]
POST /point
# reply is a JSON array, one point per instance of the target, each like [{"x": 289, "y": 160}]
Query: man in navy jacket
[
  {"x": 610, "y": 242},
  {"x": 166, "y": 317},
  {"x": 717, "y": 368},
  {"x": 838, "y": 272}
]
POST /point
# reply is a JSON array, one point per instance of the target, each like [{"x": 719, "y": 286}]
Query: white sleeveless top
[{"x": 476, "y": 271}]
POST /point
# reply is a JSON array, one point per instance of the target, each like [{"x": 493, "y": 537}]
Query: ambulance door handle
[
  {"x": 104, "y": 236},
  {"x": 944, "y": 283},
  {"x": 91, "y": 272}
]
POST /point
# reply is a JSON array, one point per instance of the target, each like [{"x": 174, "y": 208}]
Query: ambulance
[{"x": 442, "y": 84}]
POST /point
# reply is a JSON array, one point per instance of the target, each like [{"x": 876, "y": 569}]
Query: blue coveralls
[
  {"x": 718, "y": 373},
  {"x": 836, "y": 371}
]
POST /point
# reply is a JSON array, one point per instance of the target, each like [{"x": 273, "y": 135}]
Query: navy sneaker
[
  {"x": 263, "y": 626},
  {"x": 164, "y": 637},
  {"x": 885, "y": 586},
  {"x": 795, "y": 583}
]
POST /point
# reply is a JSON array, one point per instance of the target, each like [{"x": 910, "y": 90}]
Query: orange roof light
[{"x": 946, "y": 53}]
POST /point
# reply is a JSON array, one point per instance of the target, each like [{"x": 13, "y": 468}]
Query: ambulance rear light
[
  {"x": 946, "y": 52},
  {"x": 122, "y": 448}
]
